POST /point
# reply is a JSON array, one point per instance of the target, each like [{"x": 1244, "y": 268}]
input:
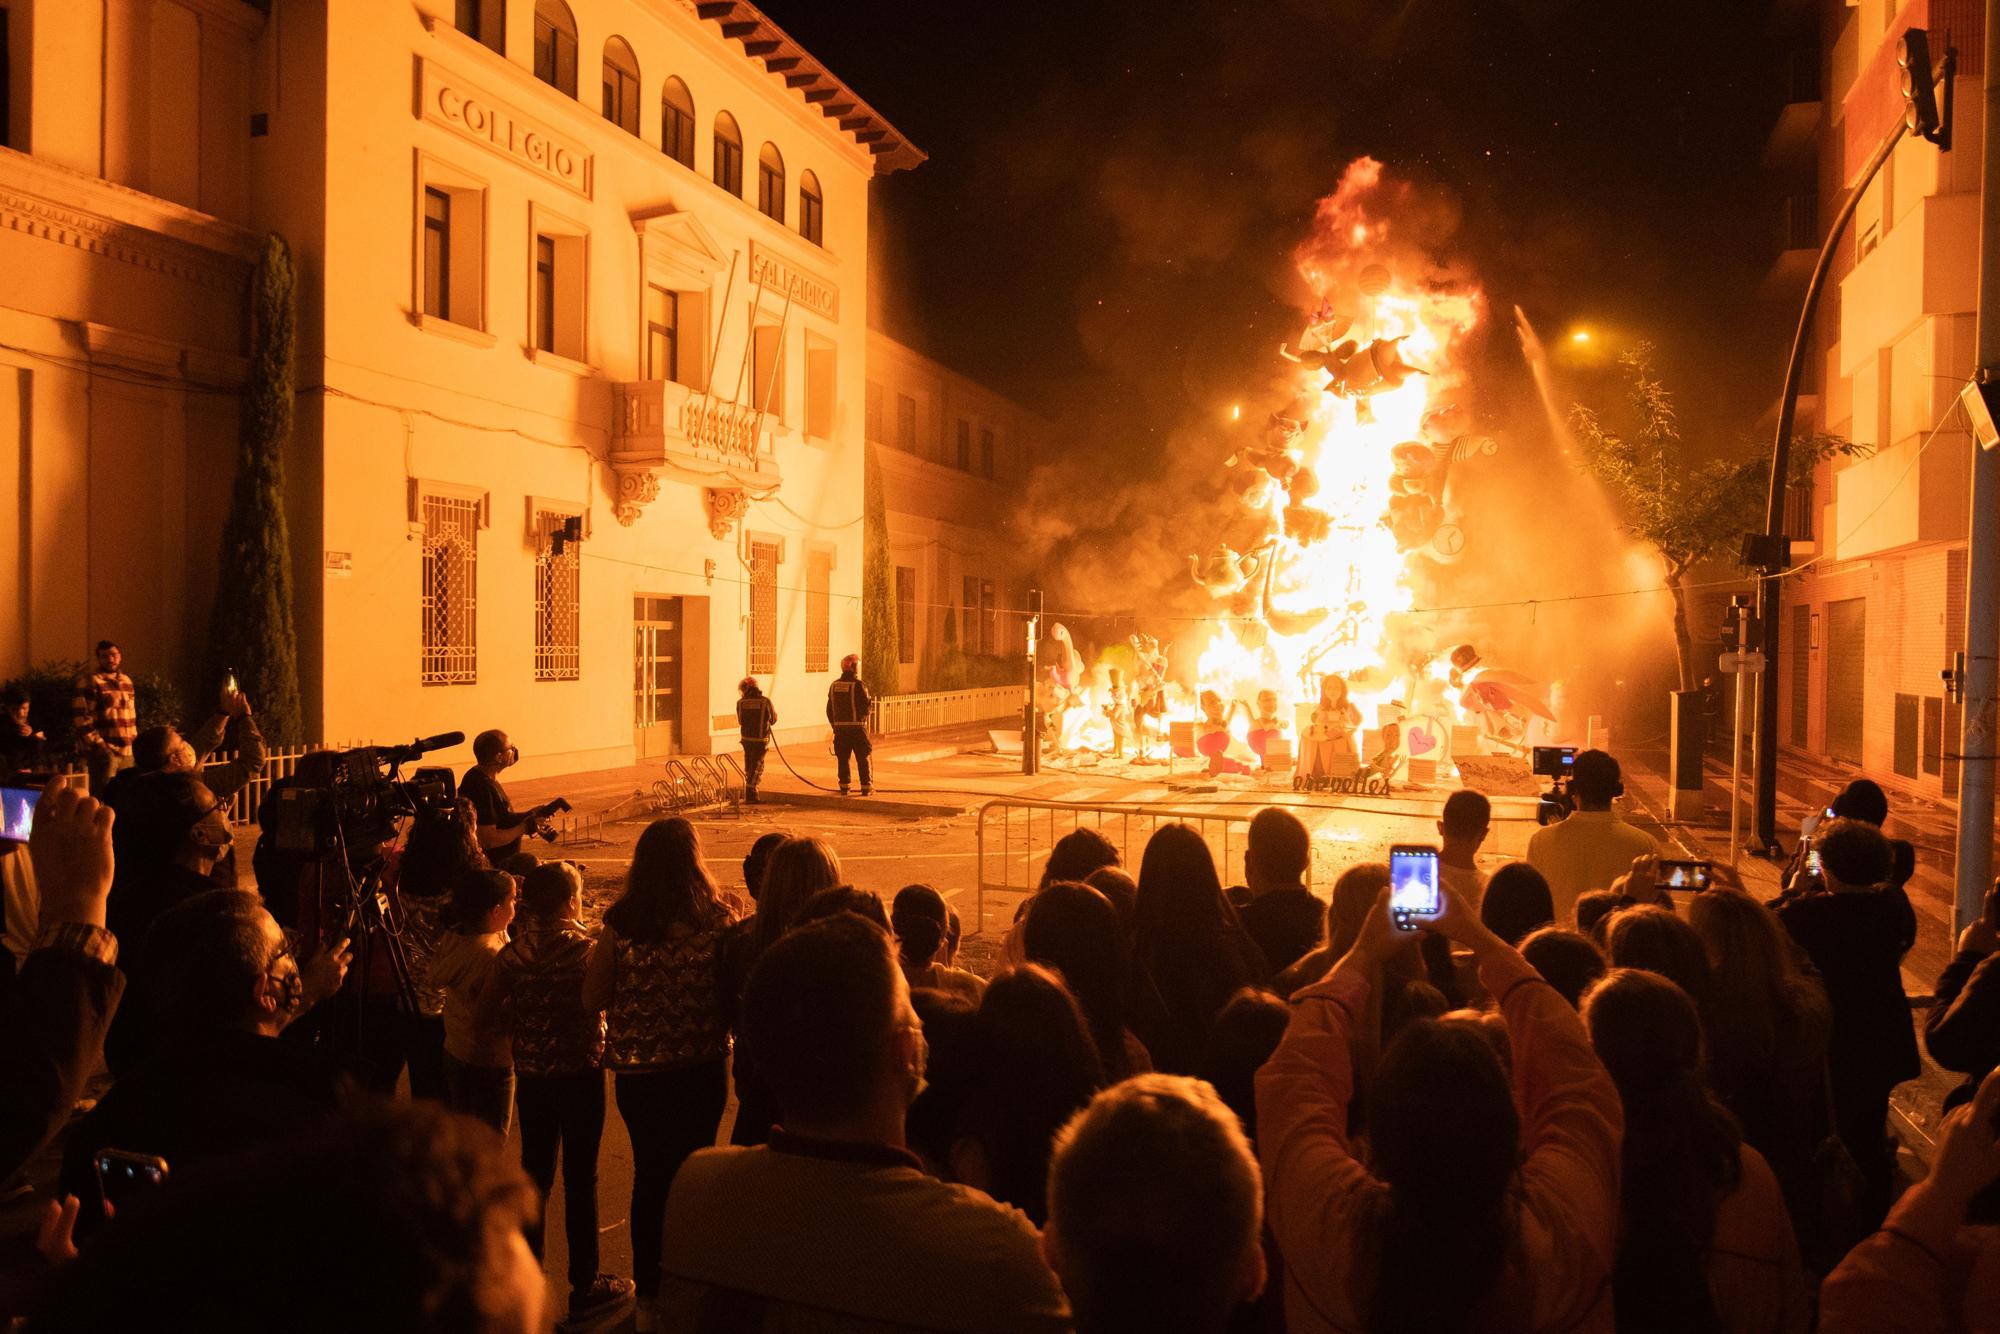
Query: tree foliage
[
  {"x": 879, "y": 660},
  {"x": 252, "y": 626},
  {"x": 1686, "y": 501}
]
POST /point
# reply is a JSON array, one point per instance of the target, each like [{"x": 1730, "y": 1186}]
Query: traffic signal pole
[
  {"x": 1774, "y": 553},
  {"x": 1977, "y": 737},
  {"x": 1770, "y": 551}
]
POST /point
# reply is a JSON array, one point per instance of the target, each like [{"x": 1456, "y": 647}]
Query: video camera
[
  {"x": 538, "y": 823},
  {"x": 346, "y": 803},
  {"x": 1557, "y": 764}
]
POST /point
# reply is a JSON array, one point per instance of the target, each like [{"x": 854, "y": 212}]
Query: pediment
[{"x": 679, "y": 238}]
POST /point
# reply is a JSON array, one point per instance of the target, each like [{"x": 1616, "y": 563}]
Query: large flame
[{"x": 1333, "y": 577}]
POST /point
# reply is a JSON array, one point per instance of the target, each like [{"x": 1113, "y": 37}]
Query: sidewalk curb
[{"x": 831, "y": 801}]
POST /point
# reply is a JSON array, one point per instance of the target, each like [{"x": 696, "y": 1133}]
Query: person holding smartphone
[
  {"x": 1461, "y": 1207},
  {"x": 58, "y": 1008}
]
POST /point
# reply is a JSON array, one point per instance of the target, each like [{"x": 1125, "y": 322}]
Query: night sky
[{"x": 1113, "y": 188}]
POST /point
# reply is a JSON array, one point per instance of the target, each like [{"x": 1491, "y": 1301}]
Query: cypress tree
[
  {"x": 879, "y": 665},
  {"x": 252, "y": 630}
]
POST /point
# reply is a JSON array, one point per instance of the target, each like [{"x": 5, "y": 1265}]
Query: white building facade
[
  {"x": 126, "y": 249},
  {"x": 582, "y": 331},
  {"x": 954, "y": 457},
  {"x": 1878, "y": 609}
]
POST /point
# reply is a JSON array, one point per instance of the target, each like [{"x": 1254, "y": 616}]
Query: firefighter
[
  {"x": 847, "y": 706},
  {"x": 755, "y": 716}
]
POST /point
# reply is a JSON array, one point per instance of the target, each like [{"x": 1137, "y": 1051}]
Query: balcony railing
[
  {"x": 662, "y": 422},
  {"x": 1801, "y": 516}
]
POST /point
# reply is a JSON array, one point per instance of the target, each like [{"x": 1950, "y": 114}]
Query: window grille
[
  {"x": 763, "y": 608},
  {"x": 450, "y": 591},
  {"x": 558, "y": 589},
  {"x": 819, "y": 609}
]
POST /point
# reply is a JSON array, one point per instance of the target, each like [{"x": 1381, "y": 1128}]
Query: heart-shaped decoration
[{"x": 1422, "y": 741}]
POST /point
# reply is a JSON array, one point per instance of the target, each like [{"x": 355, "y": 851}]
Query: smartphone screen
[
  {"x": 1813, "y": 864},
  {"x": 17, "y": 812},
  {"x": 1685, "y": 874},
  {"x": 122, "y": 1176},
  {"x": 1413, "y": 885}
]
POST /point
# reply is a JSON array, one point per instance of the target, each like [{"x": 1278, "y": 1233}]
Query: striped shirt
[{"x": 106, "y": 709}]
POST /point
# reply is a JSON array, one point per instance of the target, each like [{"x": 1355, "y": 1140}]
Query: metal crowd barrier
[{"x": 1015, "y": 838}]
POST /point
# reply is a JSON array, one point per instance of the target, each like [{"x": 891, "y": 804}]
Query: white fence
[{"x": 946, "y": 708}]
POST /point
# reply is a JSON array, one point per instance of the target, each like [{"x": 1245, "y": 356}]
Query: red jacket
[{"x": 1322, "y": 1203}]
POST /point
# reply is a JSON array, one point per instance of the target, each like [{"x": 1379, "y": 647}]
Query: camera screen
[
  {"x": 1413, "y": 882},
  {"x": 1684, "y": 874},
  {"x": 121, "y": 1175},
  {"x": 17, "y": 812},
  {"x": 1553, "y": 761}
]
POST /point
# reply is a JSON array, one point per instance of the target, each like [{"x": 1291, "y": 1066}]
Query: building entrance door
[
  {"x": 656, "y": 675},
  {"x": 1846, "y": 676}
]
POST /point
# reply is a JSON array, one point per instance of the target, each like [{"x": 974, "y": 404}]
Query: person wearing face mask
[
  {"x": 170, "y": 835},
  {"x": 221, "y": 983},
  {"x": 501, "y": 827},
  {"x": 835, "y": 1220},
  {"x": 164, "y": 749}
]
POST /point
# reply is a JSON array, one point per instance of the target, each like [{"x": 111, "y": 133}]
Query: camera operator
[{"x": 501, "y": 827}]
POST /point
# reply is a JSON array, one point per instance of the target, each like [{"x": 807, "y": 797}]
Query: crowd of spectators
[{"x": 1568, "y": 1101}]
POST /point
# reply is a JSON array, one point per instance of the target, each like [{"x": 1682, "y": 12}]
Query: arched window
[
  {"x": 728, "y": 154},
  {"x": 621, "y": 85},
  {"x": 771, "y": 182},
  {"x": 484, "y": 21},
  {"x": 555, "y": 46},
  {"x": 812, "y": 209},
  {"x": 677, "y": 122}
]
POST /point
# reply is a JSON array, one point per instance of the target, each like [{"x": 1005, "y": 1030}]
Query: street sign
[{"x": 1747, "y": 661}]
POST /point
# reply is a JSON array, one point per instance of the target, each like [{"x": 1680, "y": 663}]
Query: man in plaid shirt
[{"x": 106, "y": 716}]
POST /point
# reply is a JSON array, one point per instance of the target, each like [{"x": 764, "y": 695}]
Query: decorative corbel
[
  {"x": 638, "y": 487},
  {"x": 726, "y": 504}
]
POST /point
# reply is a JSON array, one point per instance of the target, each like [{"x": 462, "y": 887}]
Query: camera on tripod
[
  {"x": 1557, "y": 764},
  {"x": 345, "y": 804}
]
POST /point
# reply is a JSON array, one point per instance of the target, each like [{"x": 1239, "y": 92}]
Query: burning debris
[{"x": 1342, "y": 512}]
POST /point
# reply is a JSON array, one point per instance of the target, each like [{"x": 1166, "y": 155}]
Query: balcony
[
  {"x": 1927, "y": 264},
  {"x": 661, "y": 428},
  {"x": 1801, "y": 518}
]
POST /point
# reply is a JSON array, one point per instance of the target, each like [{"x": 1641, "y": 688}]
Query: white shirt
[
  {"x": 1468, "y": 883},
  {"x": 1585, "y": 852}
]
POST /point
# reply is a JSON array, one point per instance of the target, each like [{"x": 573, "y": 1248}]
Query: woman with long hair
[
  {"x": 654, "y": 972},
  {"x": 1653, "y": 938},
  {"x": 1706, "y": 1243},
  {"x": 1189, "y": 943},
  {"x": 436, "y": 853},
  {"x": 1075, "y": 930},
  {"x": 1037, "y": 1066},
  {"x": 1517, "y": 901},
  {"x": 1487, "y": 1199},
  {"x": 1767, "y": 1023},
  {"x": 794, "y": 871}
]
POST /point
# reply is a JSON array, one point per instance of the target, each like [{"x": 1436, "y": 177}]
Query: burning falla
[{"x": 1346, "y": 495}]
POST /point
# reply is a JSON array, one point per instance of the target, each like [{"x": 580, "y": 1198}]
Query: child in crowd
[
  {"x": 478, "y": 1055},
  {"x": 537, "y": 996}
]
